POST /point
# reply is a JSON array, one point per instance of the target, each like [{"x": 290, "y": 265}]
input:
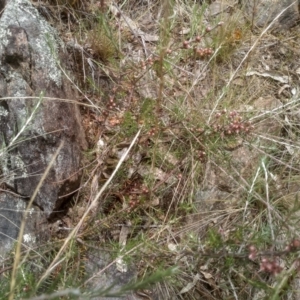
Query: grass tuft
[{"x": 191, "y": 178}]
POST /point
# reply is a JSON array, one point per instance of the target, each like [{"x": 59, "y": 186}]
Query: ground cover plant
[{"x": 192, "y": 175}]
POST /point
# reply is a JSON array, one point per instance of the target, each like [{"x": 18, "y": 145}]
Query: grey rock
[
  {"x": 32, "y": 126},
  {"x": 105, "y": 277},
  {"x": 11, "y": 215},
  {"x": 29, "y": 66},
  {"x": 263, "y": 12}
]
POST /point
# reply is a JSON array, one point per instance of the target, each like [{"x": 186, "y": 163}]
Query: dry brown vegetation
[{"x": 203, "y": 113}]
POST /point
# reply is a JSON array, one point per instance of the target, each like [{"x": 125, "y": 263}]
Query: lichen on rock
[{"x": 31, "y": 126}]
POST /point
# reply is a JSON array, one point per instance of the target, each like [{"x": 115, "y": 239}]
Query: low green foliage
[{"x": 204, "y": 205}]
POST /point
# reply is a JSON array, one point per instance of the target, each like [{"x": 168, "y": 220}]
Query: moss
[{"x": 129, "y": 125}]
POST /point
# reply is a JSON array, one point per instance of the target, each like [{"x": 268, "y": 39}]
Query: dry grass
[{"x": 194, "y": 157}]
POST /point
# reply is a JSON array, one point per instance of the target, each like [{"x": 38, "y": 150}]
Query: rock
[
  {"x": 220, "y": 6},
  {"x": 103, "y": 274},
  {"x": 11, "y": 210},
  {"x": 263, "y": 12},
  {"x": 104, "y": 277},
  {"x": 32, "y": 126}
]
